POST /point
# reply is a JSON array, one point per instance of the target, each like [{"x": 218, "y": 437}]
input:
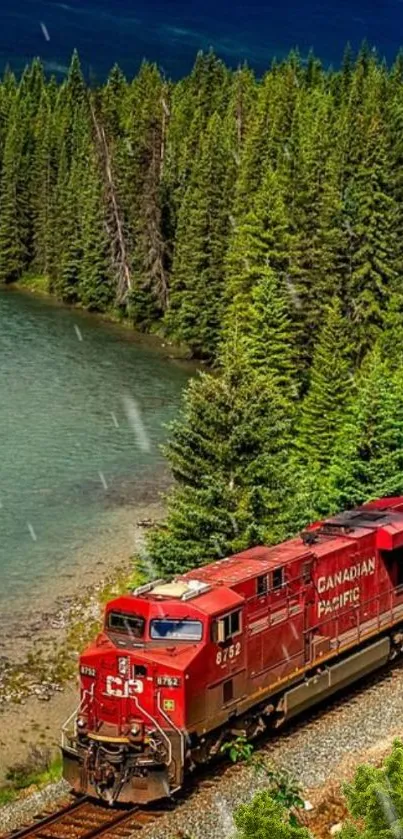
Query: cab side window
[
  {"x": 277, "y": 579},
  {"x": 261, "y": 585},
  {"x": 227, "y": 626}
]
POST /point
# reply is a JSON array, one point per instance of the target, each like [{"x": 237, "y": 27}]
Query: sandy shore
[
  {"x": 118, "y": 539},
  {"x": 33, "y": 709}
]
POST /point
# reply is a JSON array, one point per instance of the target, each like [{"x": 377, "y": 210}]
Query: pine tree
[
  {"x": 209, "y": 82},
  {"x": 95, "y": 284},
  {"x": 260, "y": 240},
  {"x": 311, "y": 183},
  {"x": 113, "y": 101},
  {"x": 368, "y": 455},
  {"x": 330, "y": 391},
  {"x": 268, "y": 336},
  {"x": 391, "y": 339},
  {"x": 67, "y": 284},
  {"x": 197, "y": 283},
  {"x": 75, "y": 84},
  {"x": 43, "y": 179},
  {"x": 229, "y": 456},
  {"x": 13, "y": 202},
  {"x": 370, "y": 216}
]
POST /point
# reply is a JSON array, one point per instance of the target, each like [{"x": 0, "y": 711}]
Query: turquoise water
[{"x": 82, "y": 413}]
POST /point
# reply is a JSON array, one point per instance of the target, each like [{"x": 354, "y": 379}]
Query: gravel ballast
[{"x": 311, "y": 751}]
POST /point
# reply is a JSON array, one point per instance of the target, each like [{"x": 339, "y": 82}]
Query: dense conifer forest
[{"x": 258, "y": 222}]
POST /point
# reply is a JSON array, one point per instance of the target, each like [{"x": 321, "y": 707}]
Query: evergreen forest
[{"x": 257, "y": 222}]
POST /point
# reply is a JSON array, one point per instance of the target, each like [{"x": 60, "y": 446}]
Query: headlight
[
  {"x": 135, "y": 729},
  {"x": 81, "y": 722}
]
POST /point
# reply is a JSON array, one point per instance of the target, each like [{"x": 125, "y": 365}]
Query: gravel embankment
[
  {"x": 312, "y": 751},
  {"x": 23, "y": 811}
]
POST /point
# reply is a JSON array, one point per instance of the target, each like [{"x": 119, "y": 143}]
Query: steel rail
[{"x": 78, "y": 817}]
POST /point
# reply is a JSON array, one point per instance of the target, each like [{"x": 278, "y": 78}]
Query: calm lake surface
[{"x": 82, "y": 413}]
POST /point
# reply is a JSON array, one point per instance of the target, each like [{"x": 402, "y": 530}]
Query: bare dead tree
[{"x": 113, "y": 216}]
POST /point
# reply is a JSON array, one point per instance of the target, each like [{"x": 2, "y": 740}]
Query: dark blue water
[{"x": 171, "y": 31}]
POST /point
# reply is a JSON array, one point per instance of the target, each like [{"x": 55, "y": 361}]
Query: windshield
[
  {"x": 133, "y": 625},
  {"x": 176, "y": 630}
]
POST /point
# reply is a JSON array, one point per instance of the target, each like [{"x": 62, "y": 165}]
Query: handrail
[
  {"x": 76, "y": 712},
  {"x": 174, "y": 726},
  {"x": 154, "y": 721}
]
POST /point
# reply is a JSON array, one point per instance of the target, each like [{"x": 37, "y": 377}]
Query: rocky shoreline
[{"x": 38, "y": 664}]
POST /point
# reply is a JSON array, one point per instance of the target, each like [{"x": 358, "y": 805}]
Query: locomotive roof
[{"x": 333, "y": 534}]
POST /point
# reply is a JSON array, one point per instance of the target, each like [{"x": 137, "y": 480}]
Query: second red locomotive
[{"x": 236, "y": 646}]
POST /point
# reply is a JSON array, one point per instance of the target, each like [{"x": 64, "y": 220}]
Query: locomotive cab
[{"x": 127, "y": 739}]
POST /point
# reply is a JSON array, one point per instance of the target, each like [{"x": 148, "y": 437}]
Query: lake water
[
  {"x": 170, "y": 32},
  {"x": 82, "y": 412}
]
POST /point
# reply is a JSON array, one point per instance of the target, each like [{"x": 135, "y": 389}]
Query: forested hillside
[{"x": 259, "y": 222}]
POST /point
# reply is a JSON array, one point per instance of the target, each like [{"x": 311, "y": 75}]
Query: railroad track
[{"x": 87, "y": 819}]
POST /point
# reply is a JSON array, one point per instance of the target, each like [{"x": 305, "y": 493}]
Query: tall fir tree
[
  {"x": 43, "y": 179},
  {"x": 96, "y": 288},
  {"x": 197, "y": 283},
  {"x": 330, "y": 391},
  {"x": 368, "y": 455},
  {"x": 371, "y": 220},
  {"x": 260, "y": 240},
  {"x": 14, "y": 201},
  {"x": 229, "y": 455},
  {"x": 268, "y": 334}
]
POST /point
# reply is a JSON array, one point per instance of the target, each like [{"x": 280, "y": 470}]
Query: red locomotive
[{"x": 237, "y": 646}]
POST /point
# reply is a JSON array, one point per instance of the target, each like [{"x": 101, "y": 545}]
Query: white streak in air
[
  {"x": 32, "y": 531},
  {"x": 225, "y": 816},
  {"x": 103, "y": 481},
  {"x": 234, "y": 523},
  {"x": 45, "y": 31},
  {"x": 148, "y": 564},
  {"x": 218, "y": 547},
  {"x": 294, "y": 631},
  {"x": 389, "y": 810},
  {"x": 78, "y": 332},
  {"x": 293, "y": 293},
  {"x": 114, "y": 420},
  {"x": 136, "y": 423}
]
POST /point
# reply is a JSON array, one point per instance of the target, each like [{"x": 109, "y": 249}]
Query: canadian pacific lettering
[{"x": 338, "y": 600}]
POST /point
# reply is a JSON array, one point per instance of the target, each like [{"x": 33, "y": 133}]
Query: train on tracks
[{"x": 237, "y": 646}]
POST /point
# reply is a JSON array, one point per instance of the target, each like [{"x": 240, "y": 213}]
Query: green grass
[
  {"x": 34, "y": 282},
  {"x": 40, "y": 769}
]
